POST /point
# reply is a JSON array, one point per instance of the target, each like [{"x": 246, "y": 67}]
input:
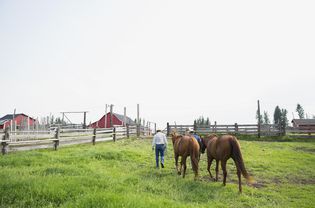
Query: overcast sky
[{"x": 177, "y": 59}]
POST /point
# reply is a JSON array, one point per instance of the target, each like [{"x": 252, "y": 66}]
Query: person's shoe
[{"x": 162, "y": 165}]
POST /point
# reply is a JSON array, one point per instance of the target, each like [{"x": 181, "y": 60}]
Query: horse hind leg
[
  {"x": 223, "y": 166},
  {"x": 216, "y": 169},
  {"x": 210, "y": 159},
  {"x": 239, "y": 180},
  {"x": 176, "y": 164},
  {"x": 185, "y": 166}
]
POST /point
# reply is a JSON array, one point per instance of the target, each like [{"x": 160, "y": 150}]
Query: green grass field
[{"x": 122, "y": 174}]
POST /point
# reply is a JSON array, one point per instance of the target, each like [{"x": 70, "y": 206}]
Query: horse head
[{"x": 174, "y": 135}]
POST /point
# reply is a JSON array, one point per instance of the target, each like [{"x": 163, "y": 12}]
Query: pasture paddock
[{"x": 123, "y": 174}]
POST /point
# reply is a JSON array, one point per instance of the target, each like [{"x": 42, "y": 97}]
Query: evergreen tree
[
  {"x": 277, "y": 115},
  {"x": 284, "y": 118},
  {"x": 208, "y": 121},
  {"x": 300, "y": 111},
  {"x": 257, "y": 117},
  {"x": 52, "y": 120},
  {"x": 202, "y": 121},
  {"x": 266, "y": 118}
]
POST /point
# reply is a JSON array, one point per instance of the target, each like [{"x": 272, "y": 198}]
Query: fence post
[
  {"x": 167, "y": 129},
  {"x": 215, "y": 127},
  {"x": 114, "y": 134},
  {"x": 259, "y": 121},
  {"x": 5, "y": 138},
  {"x": 236, "y": 128},
  {"x": 138, "y": 130},
  {"x": 94, "y": 136},
  {"x": 154, "y": 128},
  {"x": 56, "y": 140},
  {"x": 127, "y": 128}
]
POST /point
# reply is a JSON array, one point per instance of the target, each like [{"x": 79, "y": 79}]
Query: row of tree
[
  {"x": 280, "y": 116},
  {"x": 202, "y": 121}
]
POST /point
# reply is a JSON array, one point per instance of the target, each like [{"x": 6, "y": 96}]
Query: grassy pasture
[{"x": 122, "y": 174}]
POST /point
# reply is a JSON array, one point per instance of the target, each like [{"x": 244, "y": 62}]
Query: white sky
[{"x": 177, "y": 59}]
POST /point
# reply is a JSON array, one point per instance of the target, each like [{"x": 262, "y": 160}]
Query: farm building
[
  {"x": 20, "y": 120},
  {"x": 117, "y": 120},
  {"x": 304, "y": 124}
]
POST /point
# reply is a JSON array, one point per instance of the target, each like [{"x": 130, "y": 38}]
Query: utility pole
[
  {"x": 138, "y": 121},
  {"x": 13, "y": 120},
  {"x": 111, "y": 115},
  {"x": 125, "y": 116},
  {"x": 259, "y": 121},
  {"x": 105, "y": 118},
  {"x": 84, "y": 120}
]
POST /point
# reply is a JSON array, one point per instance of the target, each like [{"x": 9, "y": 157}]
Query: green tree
[
  {"x": 259, "y": 118},
  {"x": 208, "y": 121},
  {"x": 202, "y": 121},
  {"x": 266, "y": 118},
  {"x": 300, "y": 111},
  {"x": 284, "y": 118},
  {"x": 52, "y": 119},
  {"x": 277, "y": 115},
  {"x": 58, "y": 120}
]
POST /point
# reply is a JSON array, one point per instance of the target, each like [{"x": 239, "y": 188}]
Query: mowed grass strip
[{"x": 123, "y": 174}]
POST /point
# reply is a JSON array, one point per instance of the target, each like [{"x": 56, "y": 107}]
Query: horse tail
[
  {"x": 194, "y": 156},
  {"x": 237, "y": 156}
]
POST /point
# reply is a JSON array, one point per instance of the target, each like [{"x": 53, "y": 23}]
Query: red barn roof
[
  {"x": 19, "y": 118},
  {"x": 304, "y": 123},
  {"x": 117, "y": 120}
]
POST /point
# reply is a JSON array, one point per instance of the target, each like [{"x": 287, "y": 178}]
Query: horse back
[
  {"x": 186, "y": 145},
  {"x": 212, "y": 147},
  {"x": 224, "y": 148}
]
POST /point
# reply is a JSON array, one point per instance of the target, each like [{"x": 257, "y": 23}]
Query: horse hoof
[{"x": 179, "y": 173}]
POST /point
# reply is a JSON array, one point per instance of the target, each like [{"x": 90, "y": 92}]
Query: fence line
[
  {"x": 27, "y": 140},
  {"x": 246, "y": 129}
]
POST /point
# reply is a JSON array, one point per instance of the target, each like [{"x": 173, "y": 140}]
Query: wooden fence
[
  {"x": 27, "y": 140},
  {"x": 244, "y": 129}
]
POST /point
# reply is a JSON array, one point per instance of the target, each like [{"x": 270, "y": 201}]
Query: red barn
[
  {"x": 19, "y": 119},
  {"x": 117, "y": 120},
  {"x": 304, "y": 124}
]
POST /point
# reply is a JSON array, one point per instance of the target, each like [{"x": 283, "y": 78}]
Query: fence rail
[
  {"x": 246, "y": 129},
  {"x": 27, "y": 140}
]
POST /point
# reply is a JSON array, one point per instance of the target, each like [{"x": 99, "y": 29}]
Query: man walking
[{"x": 159, "y": 142}]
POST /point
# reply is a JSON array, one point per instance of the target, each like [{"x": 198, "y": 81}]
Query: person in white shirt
[{"x": 159, "y": 142}]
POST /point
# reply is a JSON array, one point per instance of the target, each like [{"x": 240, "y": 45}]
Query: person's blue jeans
[{"x": 159, "y": 150}]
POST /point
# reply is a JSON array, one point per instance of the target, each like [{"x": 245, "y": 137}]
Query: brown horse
[
  {"x": 185, "y": 146},
  {"x": 221, "y": 149}
]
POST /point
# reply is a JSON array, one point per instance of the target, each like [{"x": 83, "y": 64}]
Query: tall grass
[{"x": 123, "y": 174}]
